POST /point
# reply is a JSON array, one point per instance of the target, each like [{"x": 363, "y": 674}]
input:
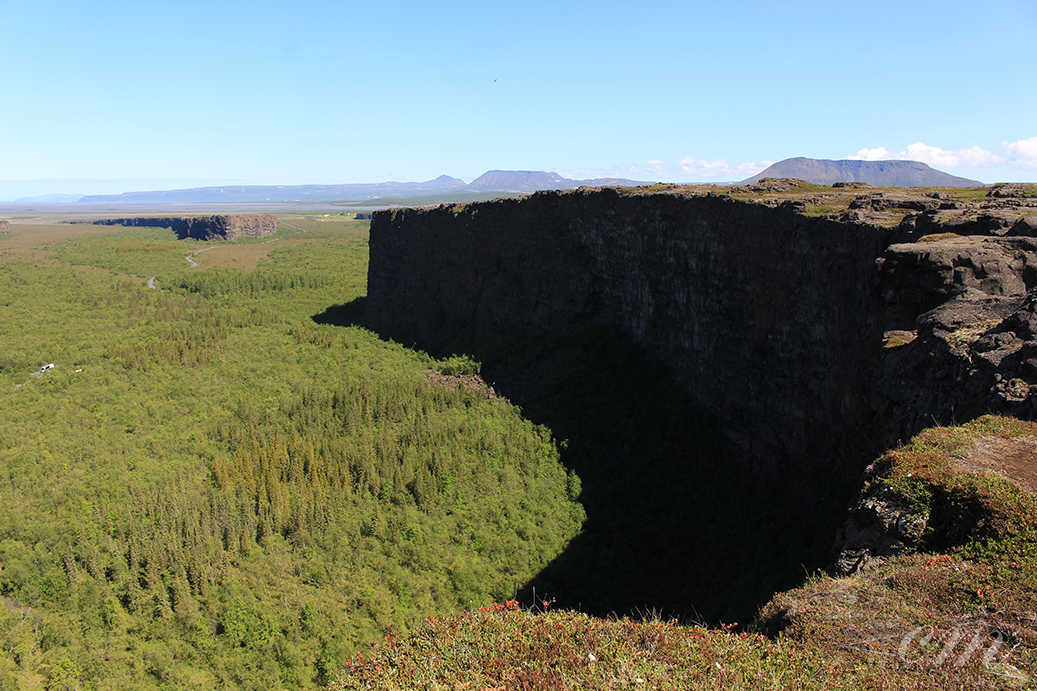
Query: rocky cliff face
[
  {"x": 771, "y": 318},
  {"x": 205, "y": 227}
]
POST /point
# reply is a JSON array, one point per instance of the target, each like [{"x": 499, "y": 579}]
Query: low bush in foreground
[{"x": 503, "y": 647}]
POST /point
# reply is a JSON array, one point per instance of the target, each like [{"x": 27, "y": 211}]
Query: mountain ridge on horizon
[
  {"x": 490, "y": 181},
  {"x": 818, "y": 171}
]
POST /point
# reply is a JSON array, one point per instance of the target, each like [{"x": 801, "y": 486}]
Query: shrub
[{"x": 457, "y": 365}]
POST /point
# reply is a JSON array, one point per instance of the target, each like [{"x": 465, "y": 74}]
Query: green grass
[
  {"x": 970, "y": 193},
  {"x": 817, "y": 210},
  {"x": 973, "y": 569},
  {"x": 933, "y": 237}
]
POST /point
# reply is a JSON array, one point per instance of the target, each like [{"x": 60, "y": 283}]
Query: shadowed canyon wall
[
  {"x": 218, "y": 227},
  {"x": 769, "y": 319},
  {"x": 816, "y": 325}
]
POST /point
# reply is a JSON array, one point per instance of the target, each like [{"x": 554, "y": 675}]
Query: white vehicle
[{"x": 46, "y": 367}]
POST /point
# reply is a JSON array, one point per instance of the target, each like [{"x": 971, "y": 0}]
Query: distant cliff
[
  {"x": 770, "y": 317},
  {"x": 899, "y": 173},
  {"x": 205, "y": 227}
]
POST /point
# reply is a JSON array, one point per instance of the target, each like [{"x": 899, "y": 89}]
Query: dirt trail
[
  {"x": 190, "y": 257},
  {"x": 1014, "y": 458}
]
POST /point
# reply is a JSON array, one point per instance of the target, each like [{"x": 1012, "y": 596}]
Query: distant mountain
[
  {"x": 519, "y": 181},
  {"x": 491, "y": 181},
  {"x": 533, "y": 180},
  {"x": 284, "y": 193},
  {"x": 900, "y": 173},
  {"x": 51, "y": 198}
]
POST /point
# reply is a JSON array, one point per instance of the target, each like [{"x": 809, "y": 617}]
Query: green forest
[{"x": 211, "y": 490}]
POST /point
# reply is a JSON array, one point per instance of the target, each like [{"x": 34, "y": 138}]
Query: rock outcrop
[
  {"x": 967, "y": 304},
  {"x": 879, "y": 526},
  {"x": 921, "y": 276},
  {"x": 768, "y": 310},
  {"x": 5, "y": 226},
  {"x": 206, "y": 228},
  {"x": 892, "y": 516}
]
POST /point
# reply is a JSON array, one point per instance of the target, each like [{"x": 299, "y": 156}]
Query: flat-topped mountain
[
  {"x": 519, "y": 180},
  {"x": 536, "y": 180},
  {"x": 898, "y": 173}
]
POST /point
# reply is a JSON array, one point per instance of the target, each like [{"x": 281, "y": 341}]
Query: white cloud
[
  {"x": 1022, "y": 152},
  {"x": 973, "y": 157},
  {"x": 879, "y": 154},
  {"x": 719, "y": 169},
  {"x": 690, "y": 169},
  {"x": 653, "y": 167}
]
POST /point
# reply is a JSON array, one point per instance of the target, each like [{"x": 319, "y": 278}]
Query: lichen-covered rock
[
  {"x": 878, "y": 526},
  {"x": 920, "y": 276},
  {"x": 973, "y": 302},
  {"x": 880, "y": 202},
  {"x": 1012, "y": 189}
]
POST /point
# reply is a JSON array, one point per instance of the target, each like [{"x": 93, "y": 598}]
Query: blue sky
[{"x": 120, "y": 96}]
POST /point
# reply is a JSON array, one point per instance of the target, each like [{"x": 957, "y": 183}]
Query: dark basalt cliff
[
  {"x": 207, "y": 228},
  {"x": 771, "y": 318}
]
